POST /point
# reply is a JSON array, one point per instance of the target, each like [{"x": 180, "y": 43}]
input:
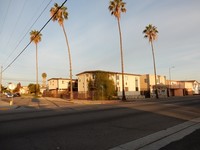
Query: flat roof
[
  {"x": 94, "y": 71},
  {"x": 60, "y": 79}
]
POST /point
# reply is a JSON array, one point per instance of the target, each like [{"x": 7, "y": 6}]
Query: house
[
  {"x": 131, "y": 82},
  {"x": 57, "y": 86},
  {"x": 191, "y": 87},
  {"x": 147, "y": 85},
  {"x": 24, "y": 90},
  {"x": 182, "y": 88},
  {"x": 175, "y": 88}
]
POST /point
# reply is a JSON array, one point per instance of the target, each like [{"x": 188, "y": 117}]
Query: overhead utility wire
[
  {"x": 33, "y": 38},
  {"x": 3, "y": 22},
  {"x": 16, "y": 23},
  {"x": 28, "y": 30}
]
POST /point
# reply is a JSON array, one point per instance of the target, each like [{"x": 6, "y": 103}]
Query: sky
[{"x": 94, "y": 39}]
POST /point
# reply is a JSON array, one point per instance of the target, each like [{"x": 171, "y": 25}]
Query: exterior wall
[
  {"x": 160, "y": 80},
  {"x": 192, "y": 87},
  {"x": 144, "y": 82},
  {"x": 58, "y": 84},
  {"x": 131, "y": 84},
  {"x": 178, "y": 92},
  {"x": 83, "y": 80}
]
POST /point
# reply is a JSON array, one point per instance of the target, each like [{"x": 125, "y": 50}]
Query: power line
[
  {"x": 3, "y": 22},
  {"x": 28, "y": 31},
  {"x": 16, "y": 23},
  {"x": 33, "y": 38},
  {"x": 18, "y": 80}
]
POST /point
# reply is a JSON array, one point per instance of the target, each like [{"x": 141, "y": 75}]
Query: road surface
[{"x": 91, "y": 127}]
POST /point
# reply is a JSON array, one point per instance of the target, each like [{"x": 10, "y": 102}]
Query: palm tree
[
  {"x": 44, "y": 76},
  {"x": 36, "y": 38},
  {"x": 59, "y": 14},
  {"x": 117, "y": 7},
  {"x": 151, "y": 33}
]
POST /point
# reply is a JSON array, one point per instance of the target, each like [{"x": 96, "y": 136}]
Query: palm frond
[
  {"x": 116, "y": 7},
  {"x": 35, "y": 36},
  {"x": 150, "y": 32},
  {"x": 60, "y": 15}
]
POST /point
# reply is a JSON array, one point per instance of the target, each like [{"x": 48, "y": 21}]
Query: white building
[
  {"x": 131, "y": 82},
  {"x": 59, "y": 84}
]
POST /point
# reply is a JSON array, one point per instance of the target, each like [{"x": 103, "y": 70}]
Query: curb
[{"x": 162, "y": 138}]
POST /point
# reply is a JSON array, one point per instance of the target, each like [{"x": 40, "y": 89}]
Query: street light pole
[{"x": 170, "y": 80}]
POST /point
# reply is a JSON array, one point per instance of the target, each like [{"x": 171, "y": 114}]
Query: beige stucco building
[
  {"x": 131, "y": 82},
  {"x": 59, "y": 84},
  {"x": 147, "y": 85},
  {"x": 182, "y": 88}
]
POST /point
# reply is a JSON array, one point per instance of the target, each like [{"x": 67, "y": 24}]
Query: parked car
[{"x": 9, "y": 95}]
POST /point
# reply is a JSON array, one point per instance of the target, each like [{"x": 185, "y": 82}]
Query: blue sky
[{"x": 94, "y": 41}]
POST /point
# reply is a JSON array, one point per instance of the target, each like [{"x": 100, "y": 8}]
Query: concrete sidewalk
[
  {"x": 76, "y": 101},
  {"x": 162, "y": 138}
]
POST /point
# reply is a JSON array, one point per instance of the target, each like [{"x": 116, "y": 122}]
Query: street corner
[
  {"x": 5, "y": 105},
  {"x": 5, "y": 108}
]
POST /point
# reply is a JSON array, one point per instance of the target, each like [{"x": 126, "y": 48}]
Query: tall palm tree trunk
[
  {"x": 70, "y": 63},
  {"x": 122, "y": 60},
  {"x": 36, "y": 86},
  {"x": 154, "y": 65}
]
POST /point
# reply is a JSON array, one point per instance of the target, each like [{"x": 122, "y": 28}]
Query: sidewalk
[
  {"x": 75, "y": 101},
  {"x": 189, "y": 142},
  {"x": 162, "y": 139}
]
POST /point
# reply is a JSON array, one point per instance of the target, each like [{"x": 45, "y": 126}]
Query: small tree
[
  {"x": 32, "y": 88},
  {"x": 17, "y": 89},
  {"x": 102, "y": 87}
]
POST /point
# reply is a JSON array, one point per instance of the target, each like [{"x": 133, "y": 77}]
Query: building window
[
  {"x": 136, "y": 85},
  {"x": 145, "y": 80},
  {"x": 136, "y": 82},
  {"x": 63, "y": 82},
  {"x": 93, "y": 76},
  {"x": 117, "y": 77},
  {"x": 136, "y": 89}
]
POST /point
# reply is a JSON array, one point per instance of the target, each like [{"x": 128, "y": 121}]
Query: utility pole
[
  {"x": 1, "y": 82},
  {"x": 170, "y": 80}
]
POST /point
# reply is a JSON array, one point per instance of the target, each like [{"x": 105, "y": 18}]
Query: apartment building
[{"x": 131, "y": 82}]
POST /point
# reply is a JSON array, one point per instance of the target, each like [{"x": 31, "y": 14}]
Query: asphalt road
[{"x": 92, "y": 127}]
